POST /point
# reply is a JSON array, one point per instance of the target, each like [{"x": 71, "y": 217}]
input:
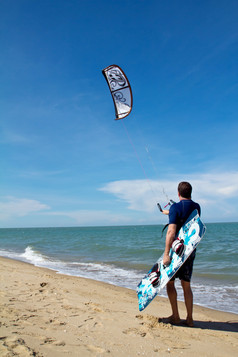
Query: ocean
[{"x": 122, "y": 256}]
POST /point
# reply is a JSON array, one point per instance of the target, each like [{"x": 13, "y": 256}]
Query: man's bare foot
[
  {"x": 189, "y": 322},
  {"x": 170, "y": 320}
]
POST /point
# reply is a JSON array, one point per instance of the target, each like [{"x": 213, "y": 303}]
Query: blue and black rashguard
[{"x": 179, "y": 212}]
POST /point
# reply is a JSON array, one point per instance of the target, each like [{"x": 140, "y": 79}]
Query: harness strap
[{"x": 164, "y": 229}]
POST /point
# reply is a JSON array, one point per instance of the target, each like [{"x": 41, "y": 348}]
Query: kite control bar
[{"x": 170, "y": 203}]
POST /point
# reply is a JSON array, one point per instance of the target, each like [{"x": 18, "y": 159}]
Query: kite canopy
[{"x": 120, "y": 90}]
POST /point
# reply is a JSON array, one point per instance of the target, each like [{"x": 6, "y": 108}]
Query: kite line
[{"x": 121, "y": 93}]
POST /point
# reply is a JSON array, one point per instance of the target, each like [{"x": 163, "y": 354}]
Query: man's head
[{"x": 185, "y": 190}]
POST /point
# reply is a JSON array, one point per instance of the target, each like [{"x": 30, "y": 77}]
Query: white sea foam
[
  {"x": 103, "y": 272},
  {"x": 97, "y": 271},
  {"x": 10, "y": 254},
  {"x": 215, "y": 296},
  {"x": 33, "y": 257}
]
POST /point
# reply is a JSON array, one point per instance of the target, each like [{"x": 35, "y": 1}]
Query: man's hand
[{"x": 166, "y": 259}]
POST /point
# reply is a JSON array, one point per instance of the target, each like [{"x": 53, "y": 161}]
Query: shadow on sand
[{"x": 229, "y": 326}]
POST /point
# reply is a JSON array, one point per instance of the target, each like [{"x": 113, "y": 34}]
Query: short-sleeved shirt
[{"x": 179, "y": 212}]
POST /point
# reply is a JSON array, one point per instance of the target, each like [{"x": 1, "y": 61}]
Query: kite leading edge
[{"x": 120, "y": 90}]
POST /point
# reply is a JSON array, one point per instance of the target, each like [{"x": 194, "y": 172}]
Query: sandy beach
[{"x": 47, "y": 314}]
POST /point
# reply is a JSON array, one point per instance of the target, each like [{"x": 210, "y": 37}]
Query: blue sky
[{"x": 65, "y": 161}]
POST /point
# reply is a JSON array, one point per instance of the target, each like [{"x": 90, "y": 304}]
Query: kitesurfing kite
[{"x": 120, "y": 90}]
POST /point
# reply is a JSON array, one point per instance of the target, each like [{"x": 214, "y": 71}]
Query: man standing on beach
[{"x": 178, "y": 214}]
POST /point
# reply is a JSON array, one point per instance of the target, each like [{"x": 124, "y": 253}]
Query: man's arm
[{"x": 170, "y": 236}]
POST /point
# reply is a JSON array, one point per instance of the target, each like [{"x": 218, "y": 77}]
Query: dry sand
[{"x": 47, "y": 314}]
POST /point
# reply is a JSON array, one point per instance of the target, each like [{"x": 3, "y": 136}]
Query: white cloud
[
  {"x": 215, "y": 184},
  {"x": 19, "y": 207},
  {"x": 214, "y": 191},
  {"x": 140, "y": 195}
]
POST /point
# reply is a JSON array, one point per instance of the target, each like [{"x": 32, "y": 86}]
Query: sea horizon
[{"x": 110, "y": 225}]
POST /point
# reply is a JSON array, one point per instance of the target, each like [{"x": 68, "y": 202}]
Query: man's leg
[
  {"x": 188, "y": 298},
  {"x": 172, "y": 295}
]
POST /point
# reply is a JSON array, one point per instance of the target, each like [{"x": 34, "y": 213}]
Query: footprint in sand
[
  {"x": 135, "y": 331},
  {"x": 148, "y": 320},
  {"x": 94, "y": 307},
  {"x": 17, "y": 347},
  {"x": 52, "y": 341},
  {"x": 95, "y": 349}
]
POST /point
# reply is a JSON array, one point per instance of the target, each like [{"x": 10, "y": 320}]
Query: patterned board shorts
[{"x": 186, "y": 270}]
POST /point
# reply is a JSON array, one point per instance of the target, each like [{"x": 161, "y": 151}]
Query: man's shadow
[{"x": 229, "y": 326}]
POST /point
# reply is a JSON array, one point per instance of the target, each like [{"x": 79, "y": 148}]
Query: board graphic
[{"x": 159, "y": 275}]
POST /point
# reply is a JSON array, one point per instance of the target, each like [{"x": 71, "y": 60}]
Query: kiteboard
[{"x": 159, "y": 275}]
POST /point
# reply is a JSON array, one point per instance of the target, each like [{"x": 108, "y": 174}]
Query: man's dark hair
[{"x": 185, "y": 189}]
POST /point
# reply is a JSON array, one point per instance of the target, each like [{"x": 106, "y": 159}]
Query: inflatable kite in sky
[{"x": 120, "y": 90}]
